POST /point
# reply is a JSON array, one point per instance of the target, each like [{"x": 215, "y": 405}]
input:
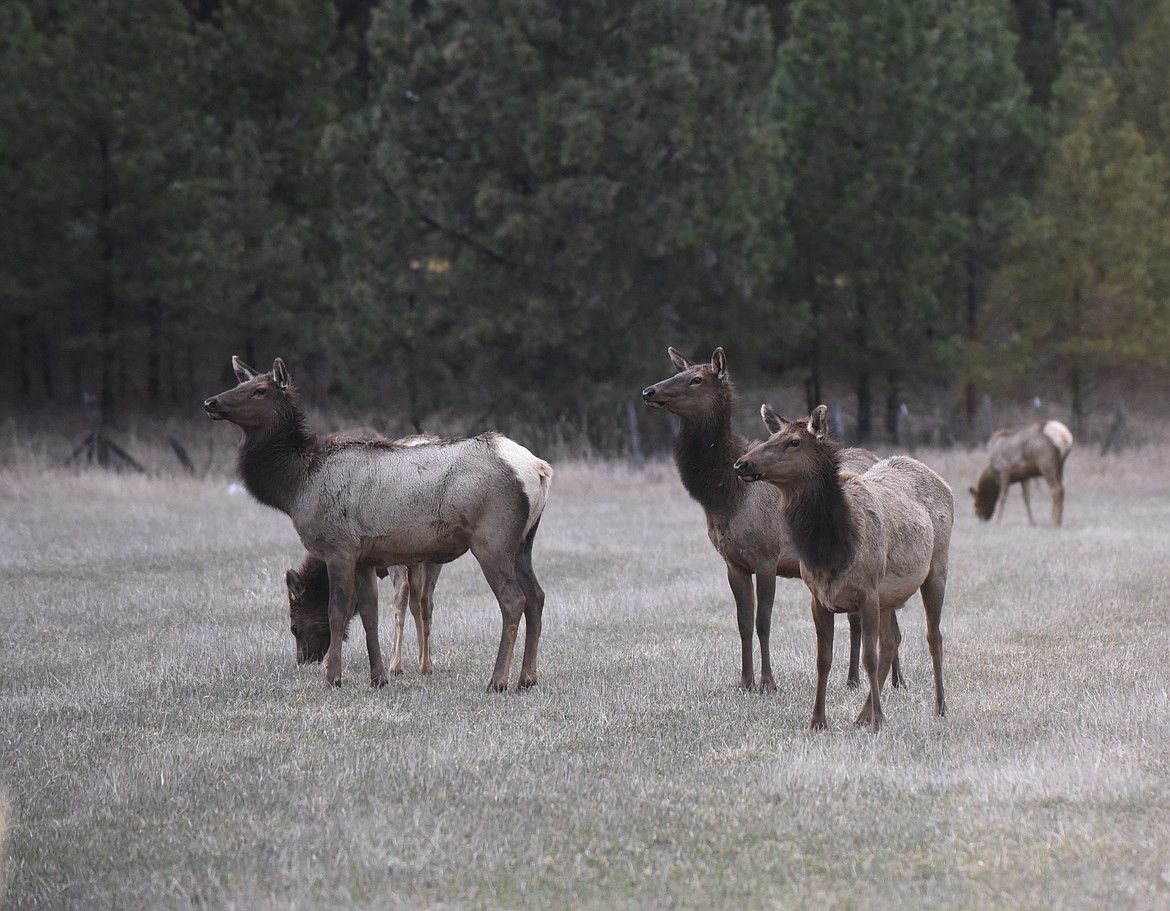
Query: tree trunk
[
  {"x": 864, "y": 407},
  {"x": 1076, "y": 389},
  {"x": 153, "y": 354},
  {"x": 108, "y": 323},
  {"x": 23, "y": 355}
]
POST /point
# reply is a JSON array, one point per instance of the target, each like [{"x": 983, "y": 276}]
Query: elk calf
[
  {"x": 358, "y": 504},
  {"x": 308, "y": 609},
  {"x": 866, "y": 543}
]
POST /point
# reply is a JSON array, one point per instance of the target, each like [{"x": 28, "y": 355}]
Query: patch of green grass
[{"x": 160, "y": 748}]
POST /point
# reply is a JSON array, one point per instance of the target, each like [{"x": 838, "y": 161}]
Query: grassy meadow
[{"x": 159, "y": 747}]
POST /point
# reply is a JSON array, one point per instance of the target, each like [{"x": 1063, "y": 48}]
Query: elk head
[
  {"x": 695, "y": 389},
  {"x": 252, "y": 403},
  {"x": 308, "y": 611},
  {"x": 790, "y": 453}
]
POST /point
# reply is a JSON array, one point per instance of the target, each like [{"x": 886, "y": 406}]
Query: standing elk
[
  {"x": 745, "y": 523},
  {"x": 359, "y": 504},
  {"x": 866, "y": 542},
  {"x": 1019, "y": 454}
]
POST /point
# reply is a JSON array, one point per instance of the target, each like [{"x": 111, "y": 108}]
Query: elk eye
[
  {"x": 695, "y": 380},
  {"x": 793, "y": 443},
  {"x": 295, "y": 630},
  {"x": 259, "y": 392}
]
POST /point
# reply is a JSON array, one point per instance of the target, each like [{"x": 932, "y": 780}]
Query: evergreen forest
[{"x": 473, "y": 213}]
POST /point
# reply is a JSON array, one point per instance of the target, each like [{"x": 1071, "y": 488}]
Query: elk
[
  {"x": 360, "y": 504},
  {"x": 414, "y": 589},
  {"x": 866, "y": 543},
  {"x": 745, "y": 523},
  {"x": 1019, "y": 454},
  {"x": 308, "y": 609}
]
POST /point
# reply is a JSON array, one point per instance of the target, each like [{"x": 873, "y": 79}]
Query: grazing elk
[
  {"x": 414, "y": 589},
  {"x": 308, "y": 609},
  {"x": 1019, "y": 454},
  {"x": 866, "y": 542},
  {"x": 744, "y": 523},
  {"x": 359, "y": 504}
]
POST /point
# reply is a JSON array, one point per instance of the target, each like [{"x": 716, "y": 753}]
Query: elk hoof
[
  {"x": 853, "y": 683},
  {"x": 767, "y": 685},
  {"x": 816, "y": 724},
  {"x": 336, "y": 682},
  {"x": 396, "y": 671},
  {"x": 379, "y": 681},
  {"x": 526, "y": 682},
  {"x": 495, "y": 686}
]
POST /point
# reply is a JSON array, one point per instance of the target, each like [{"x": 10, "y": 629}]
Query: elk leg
[
  {"x": 823, "y": 621},
  {"x": 501, "y": 577},
  {"x": 871, "y": 712},
  {"x": 533, "y": 612},
  {"x": 366, "y": 591},
  {"x": 422, "y": 588},
  {"x": 1056, "y": 488},
  {"x": 341, "y": 605},
  {"x": 765, "y": 596},
  {"x": 1004, "y": 484},
  {"x": 401, "y": 595},
  {"x": 933, "y": 591},
  {"x": 1027, "y": 501},
  {"x": 896, "y": 664},
  {"x": 854, "y": 680},
  {"x": 745, "y": 608}
]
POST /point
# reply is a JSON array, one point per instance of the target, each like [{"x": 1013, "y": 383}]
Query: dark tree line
[{"x": 507, "y": 210}]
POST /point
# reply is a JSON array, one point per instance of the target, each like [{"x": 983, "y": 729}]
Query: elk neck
[
  {"x": 276, "y": 461},
  {"x": 820, "y": 518},
  {"x": 705, "y": 451}
]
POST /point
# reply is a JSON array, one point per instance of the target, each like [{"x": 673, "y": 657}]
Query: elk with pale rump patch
[
  {"x": 866, "y": 542},
  {"x": 359, "y": 504},
  {"x": 1038, "y": 450},
  {"x": 744, "y": 523}
]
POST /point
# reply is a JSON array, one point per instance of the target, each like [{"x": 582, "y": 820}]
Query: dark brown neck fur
[
  {"x": 705, "y": 451},
  {"x": 818, "y": 515},
  {"x": 276, "y": 460}
]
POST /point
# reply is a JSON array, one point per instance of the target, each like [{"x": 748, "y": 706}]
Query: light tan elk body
[
  {"x": 744, "y": 522},
  {"x": 866, "y": 542},
  {"x": 360, "y": 504},
  {"x": 1038, "y": 450},
  {"x": 414, "y": 590}
]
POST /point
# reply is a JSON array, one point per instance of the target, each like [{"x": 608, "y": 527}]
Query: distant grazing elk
[
  {"x": 1019, "y": 454},
  {"x": 308, "y": 609},
  {"x": 359, "y": 504},
  {"x": 745, "y": 523},
  {"x": 866, "y": 543}
]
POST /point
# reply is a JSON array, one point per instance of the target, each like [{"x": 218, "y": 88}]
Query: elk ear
[
  {"x": 818, "y": 422},
  {"x": 676, "y": 358},
  {"x": 296, "y": 584},
  {"x": 772, "y": 420},
  {"x": 280, "y": 374},
  {"x": 243, "y": 371},
  {"x": 719, "y": 363}
]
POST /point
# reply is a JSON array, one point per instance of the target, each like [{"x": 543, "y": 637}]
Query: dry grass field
[{"x": 159, "y": 747}]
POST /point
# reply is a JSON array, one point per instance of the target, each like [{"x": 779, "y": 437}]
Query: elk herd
[{"x": 863, "y": 533}]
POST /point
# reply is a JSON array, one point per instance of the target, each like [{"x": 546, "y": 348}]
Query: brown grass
[{"x": 160, "y": 748}]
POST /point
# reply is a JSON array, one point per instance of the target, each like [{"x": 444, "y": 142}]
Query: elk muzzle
[
  {"x": 648, "y": 398},
  {"x": 746, "y": 470},
  {"x": 211, "y": 407}
]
